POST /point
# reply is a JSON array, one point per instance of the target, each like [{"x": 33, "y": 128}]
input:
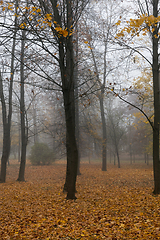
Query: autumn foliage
[
  {"x": 143, "y": 23},
  {"x": 117, "y": 204}
]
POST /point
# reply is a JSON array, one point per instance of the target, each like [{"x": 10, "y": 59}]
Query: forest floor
[{"x": 116, "y": 204}]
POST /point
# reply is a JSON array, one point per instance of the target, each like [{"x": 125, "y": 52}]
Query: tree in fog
[
  {"x": 147, "y": 24},
  {"x": 90, "y": 127},
  {"x": 53, "y": 123},
  {"x": 99, "y": 31},
  {"x": 52, "y": 31},
  {"x": 115, "y": 129},
  {"x": 7, "y": 110},
  {"x": 24, "y": 129}
]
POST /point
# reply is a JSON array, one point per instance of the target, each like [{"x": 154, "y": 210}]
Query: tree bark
[
  {"x": 5, "y": 151},
  {"x": 76, "y": 98},
  {"x": 156, "y": 88},
  {"x": 22, "y": 112},
  {"x": 71, "y": 146},
  {"x": 6, "y": 135}
]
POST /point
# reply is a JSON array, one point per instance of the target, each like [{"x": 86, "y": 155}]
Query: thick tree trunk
[
  {"x": 5, "y": 152},
  {"x": 3, "y": 169},
  {"x": 156, "y": 163},
  {"x": 21, "y": 177},
  {"x": 71, "y": 146},
  {"x": 19, "y": 138},
  {"x": 6, "y": 136},
  {"x": 68, "y": 83}
]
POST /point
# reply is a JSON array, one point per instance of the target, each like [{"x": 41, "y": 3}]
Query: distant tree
[
  {"x": 102, "y": 65},
  {"x": 41, "y": 154},
  {"x": 115, "y": 129}
]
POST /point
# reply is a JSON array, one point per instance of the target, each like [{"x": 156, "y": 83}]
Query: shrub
[{"x": 41, "y": 154}]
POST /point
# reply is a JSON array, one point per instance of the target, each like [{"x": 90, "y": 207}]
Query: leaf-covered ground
[{"x": 117, "y": 204}]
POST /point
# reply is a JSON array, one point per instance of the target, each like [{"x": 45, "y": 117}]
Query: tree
[
  {"x": 147, "y": 22},
  {"x": 116, "y": 129},
  {"x": 59, "y": 19},
  {"x": 7, "y": 116},
  {"x": 100, "y": 27},
  {"x": 24, "y": 130}
]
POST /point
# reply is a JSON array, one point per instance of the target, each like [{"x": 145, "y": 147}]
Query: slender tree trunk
[
  {"x": 101, "y": 99},
  {"x": 156, "y": 89},
  {"x": 104, "y": 147},
  {"x": 104, "y": 133},
  {"x": 118, "y": 158},
  {"x": 22, "y": 112},
  {"x": 114, "y": 159},
  {"x": 35, "y": 122},
  {"x": 77, "y": 98}
]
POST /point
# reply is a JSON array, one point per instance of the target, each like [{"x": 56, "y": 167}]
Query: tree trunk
[
  {"x": 5, "y": 152},
  {"x": 21, "y": 177},
  {"x": 22, "y": 112},
  {"x": 101, "y": 99},
  {"x": 118, "y": 159},
  {"x": 68, "y": 87},
  {"x": 114, "y": 159},
  {"x": 19, "y": 139},
  {"x": 156, "y": 88},
  {"x": 104, "y": 132},
  {"x": 76, "y": 99},
  {"x": 71, "y": 146}
]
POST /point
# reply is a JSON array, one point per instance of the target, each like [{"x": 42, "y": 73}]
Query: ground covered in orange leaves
[{"x": 116, "y": 204}]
